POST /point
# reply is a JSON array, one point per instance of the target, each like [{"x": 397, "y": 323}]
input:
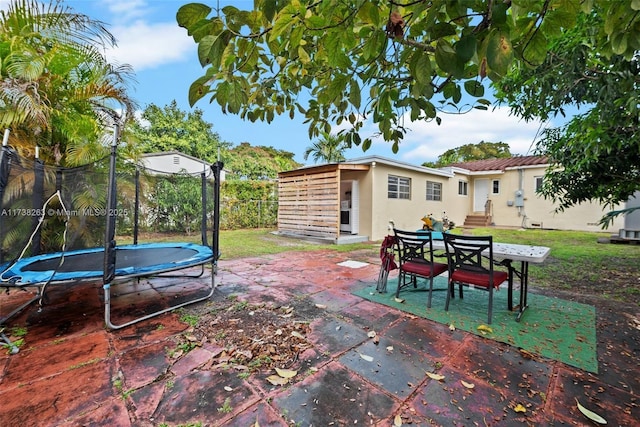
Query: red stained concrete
[{"x": 71, "y": 371}]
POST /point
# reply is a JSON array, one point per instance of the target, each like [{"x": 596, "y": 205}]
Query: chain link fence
[{"x": 236, "y": 214}]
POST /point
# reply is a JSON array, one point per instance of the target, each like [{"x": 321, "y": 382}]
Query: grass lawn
[{"x": 577, "y": 262}]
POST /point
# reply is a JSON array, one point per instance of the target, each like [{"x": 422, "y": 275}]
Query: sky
[{"x": 165, "y": 62}]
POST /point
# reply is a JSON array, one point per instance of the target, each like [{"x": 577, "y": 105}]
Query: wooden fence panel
[{"x": 309, "y": 204}]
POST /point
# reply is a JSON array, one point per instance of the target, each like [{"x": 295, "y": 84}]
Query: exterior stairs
[{"x": 477, "y": 220}]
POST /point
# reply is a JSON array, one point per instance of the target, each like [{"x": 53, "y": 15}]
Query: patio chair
[
  {"x": 471, "y": 263},
  {"x": 416, "y": 259}
]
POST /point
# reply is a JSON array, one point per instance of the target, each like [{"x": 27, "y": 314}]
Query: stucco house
[
  {"x": 176, "y": 162},
  {"x": 356, "y": 199}
]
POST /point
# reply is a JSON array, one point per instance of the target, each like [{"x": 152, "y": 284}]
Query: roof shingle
[{"x": 501, "y": 164}]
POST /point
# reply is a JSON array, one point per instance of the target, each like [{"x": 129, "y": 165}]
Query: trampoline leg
[
  {"x": 14, "y": 348},
  {"x": 22, "y": 307},
  {"x": 107, "y": 307}
]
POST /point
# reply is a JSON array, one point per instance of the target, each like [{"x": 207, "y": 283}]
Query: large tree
[
  {"x": 258, "y": 162},
  {"x": 170, "y": 128},
  {"x": 345, "y": 62},
  {"x": 58, "y": 91},
  {"x": 595, "y": 154},
  {"x": 470, "y": 152},
  {"x": 391, "y": 62}
]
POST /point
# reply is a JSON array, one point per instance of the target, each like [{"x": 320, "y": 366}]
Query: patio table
[{"x": 509, "y": 252}]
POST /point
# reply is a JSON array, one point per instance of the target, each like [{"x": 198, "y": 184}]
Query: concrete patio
[{"x": 71, "y": 371}]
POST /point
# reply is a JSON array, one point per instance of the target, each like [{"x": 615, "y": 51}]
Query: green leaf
[
  {"x": 204, "y": 28},
  {"x": 447, "y": 59},
  {"x": 466, "y": 48},
  {"x": 442, "y": 29},
  {"x": 355, "y": 95},
  {"x": 269, "y": 9},
  {"x": 535, "y": 51},
  {"x": 303, "y": 56},
  {"x": 474, "y": 88},
  {"x": 499, "y": 52},
  {"x": 211, "y": 49},
  {"x": 619, "y": 43},
  {"x": 499, "y": 13},
  {"x": 190, "y": 14},
  {"x": 282, "y": 24},
  {"x": 369, "y": 13},
  {"x": 198, "y": 89},
  {"x": 235, "y": 96},
  {"x": 635, "y": 4},
  {"x": 374, "y": 45},
  {"x": 420, "y": 67}
]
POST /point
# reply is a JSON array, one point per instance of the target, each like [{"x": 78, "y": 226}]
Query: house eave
[{"x": 373, "y": 160}]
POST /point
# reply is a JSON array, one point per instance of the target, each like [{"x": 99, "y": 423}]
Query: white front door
[{"x": 480, "y": 194}]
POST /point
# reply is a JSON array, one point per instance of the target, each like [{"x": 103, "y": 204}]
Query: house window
[
  {"x": 434, "y": 191},
  {"x": 463, "y": 188},
  {"x": 495, "y": 186},
  {"x": 176, "y": 160},
  {"x": 399, "y": 187},
  {"x": 538, "y": 180}
]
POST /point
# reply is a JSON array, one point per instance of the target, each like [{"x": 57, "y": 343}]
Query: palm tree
[
  {"x": 58, "y": 91},
  {"x": 329, "y": 149}
]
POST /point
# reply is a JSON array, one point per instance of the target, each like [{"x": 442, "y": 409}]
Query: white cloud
[
  {"x": 126, "y": 10},
  {"x": 145, "y": 45},
  {"x": 146, "y": 32},
  {"x": 425, "y": 141}
]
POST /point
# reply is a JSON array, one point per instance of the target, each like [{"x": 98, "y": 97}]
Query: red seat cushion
[
  {"x": 479, "y": 279},
  {"x": 423, "y": 268}
]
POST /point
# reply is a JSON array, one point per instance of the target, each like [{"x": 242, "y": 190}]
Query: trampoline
[
  {"x": 87, "y": 264},
  {"x": 23, "y": 189}
]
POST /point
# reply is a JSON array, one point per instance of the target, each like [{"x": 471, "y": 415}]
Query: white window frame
[
  {"x": 495, "y": 183},
  {"x": 537, "y": 183},
  {"x": 436, "y": 191},
  {"x": 463, "y": 187},
  {"x": 402, "y": 186}
]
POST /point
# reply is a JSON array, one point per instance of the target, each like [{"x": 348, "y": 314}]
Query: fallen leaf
[
  {"x": 590, "y": 414},
  {"x": 526, "y": 354},
  {"x": 365, "y": 357},
  {"x": 467, "y": 385},
  {"x": 371, "y": 334},
  {"x": 436, "y": 377},
  {"x": 389, "y": 348},
  {"x": 400, "y": 300},
  {"x": 321, "y": 306},
  {"x": 227, "y": 388},
  {"x": 485, "y": 329},
  {"x": 452, "y": 327},
  {"x": 520, "y": 408},
  {"x": 297, "y": 335},
  {"x": 277, "y": 380},
  {"x": 286, "y": 373},
  {"x": 397, "y": 421}
]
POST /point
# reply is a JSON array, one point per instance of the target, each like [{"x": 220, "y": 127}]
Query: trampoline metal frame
[
  {"x": 107, "y": 296},
  {"x": 109, "y": 276}
]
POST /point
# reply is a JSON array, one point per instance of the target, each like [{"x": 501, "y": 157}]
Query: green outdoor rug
[{"x": 550, "y": 327}]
